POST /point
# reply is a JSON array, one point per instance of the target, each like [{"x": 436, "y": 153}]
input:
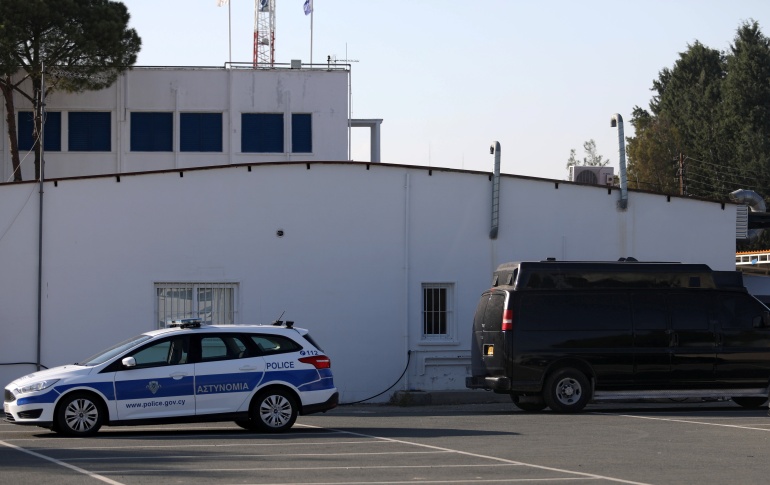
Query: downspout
[
  {"x": 407, "y": 211},
  {"x": 617, "y": 120},
  {"x": 495, "y": 150}
]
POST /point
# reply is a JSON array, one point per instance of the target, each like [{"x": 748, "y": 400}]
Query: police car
[{"x": 260, "y": 376}]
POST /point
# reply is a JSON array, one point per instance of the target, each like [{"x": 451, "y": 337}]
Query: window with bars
[
  {"x": 437, "y": 310},
  {"x": 213, "y": 303}
]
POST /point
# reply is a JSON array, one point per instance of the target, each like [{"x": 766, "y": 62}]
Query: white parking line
[
  {"x": 61, "y": 463},
  {"x": 250, "y": 455},
  {"x": 688, "y": 421},
  {"x": 494, "y": 458}
]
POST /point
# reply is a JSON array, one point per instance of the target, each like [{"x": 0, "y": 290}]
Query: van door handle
[
  {"x": 248, "y": 367},
  {"x": 178, "y": 375}
]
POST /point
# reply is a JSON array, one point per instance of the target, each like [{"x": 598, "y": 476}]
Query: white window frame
[
  {"x": 447, "y": 307},
  {"x": 226, "y": 313}
]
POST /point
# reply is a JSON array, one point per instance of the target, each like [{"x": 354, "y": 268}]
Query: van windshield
[{"x": 106, "y": 355}]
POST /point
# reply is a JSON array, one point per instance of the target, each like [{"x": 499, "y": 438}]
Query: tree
[
  {"x": 653, "y": 153},
  {"x": 714, "y": 109},
  {"x": 592, "y": 159},
  {"x": 82, "y": 44}
]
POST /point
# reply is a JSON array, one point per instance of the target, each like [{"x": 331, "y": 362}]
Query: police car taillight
[
  {"x": 317, "y": 361},
  {"x": 507, "y": 320}
]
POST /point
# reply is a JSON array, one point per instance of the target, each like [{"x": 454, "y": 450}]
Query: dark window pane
[
  {"x": 90, "y": 131},
  {"x": 262, "y": 132},
  {"x": 152, "y": 132},
  {"x": 200, "y": 132},
  {"x": 301, "y": 133},
  {"x": 51, "y": 133}
]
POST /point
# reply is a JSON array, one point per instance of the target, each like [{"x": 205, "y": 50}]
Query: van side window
[
  {"x": 649, "y": 311},
  {"x": 584, "y": 311},
  {"x": 690, "y": 312},
  {"x": 740, "y": 312}
]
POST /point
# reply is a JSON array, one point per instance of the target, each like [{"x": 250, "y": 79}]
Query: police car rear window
[{"x": 275, "y": 344}]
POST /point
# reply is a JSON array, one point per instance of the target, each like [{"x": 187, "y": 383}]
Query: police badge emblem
[{"x": 153, "y": 387}]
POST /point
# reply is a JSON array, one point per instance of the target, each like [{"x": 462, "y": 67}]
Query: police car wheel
[
  {"x": 78, "y": 414},
  {"x": 275, "y": 411}
]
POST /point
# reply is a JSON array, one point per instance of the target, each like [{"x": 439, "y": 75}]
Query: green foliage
[
  {"x": 713, "y": 108},
  {"x": 592, "y": 159},
  {"x": 82, "y": 44}
]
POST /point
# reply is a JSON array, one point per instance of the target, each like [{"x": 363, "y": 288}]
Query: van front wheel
[{"x": 567, "y": 391}]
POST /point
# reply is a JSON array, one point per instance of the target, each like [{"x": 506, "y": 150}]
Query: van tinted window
[
  {"x": 690, "y": 312},
  {"x": 584, "y": 311},
  {"x": 493, "y": 314},
  {"x": 740, "y": 311},
  {"x": 649, "y": 310}
]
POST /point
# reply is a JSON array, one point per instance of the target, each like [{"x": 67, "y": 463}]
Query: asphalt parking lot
[{"x": 657, "y": 443}]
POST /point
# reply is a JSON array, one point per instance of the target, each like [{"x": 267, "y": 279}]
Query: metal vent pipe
[
  {"x": 495, "y": 150},
  {"x": 617, "y": 120}
]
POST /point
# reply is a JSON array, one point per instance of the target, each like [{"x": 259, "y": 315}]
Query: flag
[
  {"x": 308, "y": 7},
  {"x": 222, "y": 2}
]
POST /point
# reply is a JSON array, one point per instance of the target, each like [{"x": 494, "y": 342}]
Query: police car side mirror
[{"x": 129, "y": 362}]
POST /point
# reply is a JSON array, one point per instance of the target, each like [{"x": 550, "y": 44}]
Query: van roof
[{"x": 612, "y": 274}]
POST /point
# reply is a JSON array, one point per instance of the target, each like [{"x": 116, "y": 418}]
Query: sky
[{"x": 451, "y": 77}]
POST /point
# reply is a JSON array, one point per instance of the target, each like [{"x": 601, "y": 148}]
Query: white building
[{"x": 383, "y": 263}]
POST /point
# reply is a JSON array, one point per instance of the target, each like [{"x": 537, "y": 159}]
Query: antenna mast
[{"x": 264, "y": 33}]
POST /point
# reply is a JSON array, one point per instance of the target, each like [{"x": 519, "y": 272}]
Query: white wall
[
  {"x": 359, "y": 241},
  {"x": 322, "y": 93}
]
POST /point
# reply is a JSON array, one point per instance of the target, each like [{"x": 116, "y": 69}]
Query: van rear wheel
[
  {"x": 567, "y": 391},
  {"x": 749, "y": 402}
]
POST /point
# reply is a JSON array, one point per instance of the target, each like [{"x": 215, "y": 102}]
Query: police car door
[
  {"x": 226, "y": 373},
  {"x": 156, "y": 381}
]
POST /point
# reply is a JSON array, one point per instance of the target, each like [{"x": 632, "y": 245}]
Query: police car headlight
[{"x": 35, "y": 386}]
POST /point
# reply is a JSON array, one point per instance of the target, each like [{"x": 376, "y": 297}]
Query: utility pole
[{"x": 682, "y": 177}]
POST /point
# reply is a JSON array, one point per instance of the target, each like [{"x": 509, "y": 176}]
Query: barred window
[
  {"x": 437, "y": 310},
  {"x": 213, "y": 303}
]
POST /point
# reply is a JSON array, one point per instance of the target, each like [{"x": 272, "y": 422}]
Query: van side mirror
[{"x": 128, "y": 362}]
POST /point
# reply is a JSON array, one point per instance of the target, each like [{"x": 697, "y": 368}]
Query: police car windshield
[{"x": 106, "y": 355}]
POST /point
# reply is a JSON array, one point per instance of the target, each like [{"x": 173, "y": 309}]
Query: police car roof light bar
[{"x": 185, "y": 323}]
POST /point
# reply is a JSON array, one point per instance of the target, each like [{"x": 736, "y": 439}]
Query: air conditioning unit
[{"x": 592, "y": 175}]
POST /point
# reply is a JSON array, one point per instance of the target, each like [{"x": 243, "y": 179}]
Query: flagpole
[
  {"x": 230, "y": 30},
  {"x": 311, "y": 32}
]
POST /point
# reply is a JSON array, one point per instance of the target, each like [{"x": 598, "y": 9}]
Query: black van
[{"x": 562, "y": 334}]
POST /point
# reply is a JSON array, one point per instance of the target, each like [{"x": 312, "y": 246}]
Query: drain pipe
[
  {"x": 617, "y": 120},
  {"x": 754, "y": 201},
  {"x": 495, "y": 150}
]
